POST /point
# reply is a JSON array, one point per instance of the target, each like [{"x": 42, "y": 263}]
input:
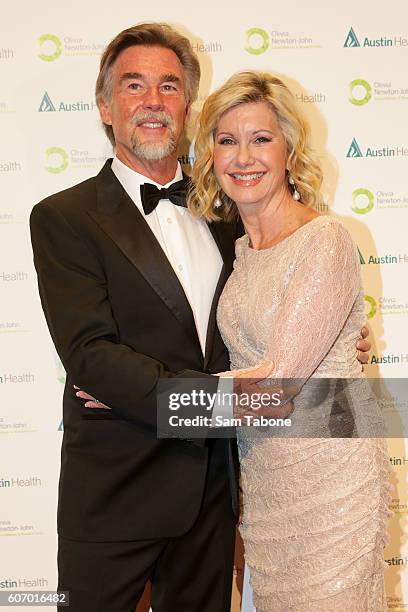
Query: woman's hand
[
  {"x": 363, "y": 346},
  {"x": 91, "y": 401}
]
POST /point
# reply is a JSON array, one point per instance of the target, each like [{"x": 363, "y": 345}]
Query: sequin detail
[{"x": 315, "y": 509}]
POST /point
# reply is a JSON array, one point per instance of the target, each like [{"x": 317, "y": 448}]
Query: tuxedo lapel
[
  {"x": 224, "y": 238},
  {"x": 121, "y": 220}
]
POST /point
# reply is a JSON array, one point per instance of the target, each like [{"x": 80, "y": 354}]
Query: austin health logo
[
  {"x": 362, "y": 260},
  {"x": 56, "y": 160},
  {"x": 354, "y": 149},
  {"x": 363, "y": 201},
  {"x": 384, "y": 151},
  {"x": 388, "y": 259},
  {"x": 46, "y": 105},
  {"x": 351, "y": 40},
  {"x": 383, "y": 41},
  {"x": 50, "y": 47},
  {"x": 360, "y": 92}
]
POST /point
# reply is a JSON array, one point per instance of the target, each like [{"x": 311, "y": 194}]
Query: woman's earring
[
  {"x": 295, "y": 193},
  {"x": 217, "y": 202}
]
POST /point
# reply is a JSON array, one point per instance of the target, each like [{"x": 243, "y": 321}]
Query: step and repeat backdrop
[{"x": 346, "y": 63}]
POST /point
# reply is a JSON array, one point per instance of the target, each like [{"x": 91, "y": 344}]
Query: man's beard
[{"x": 153, "y": 151}]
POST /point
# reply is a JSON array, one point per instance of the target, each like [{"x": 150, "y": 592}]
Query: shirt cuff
[{"x": 223, "y": 405}]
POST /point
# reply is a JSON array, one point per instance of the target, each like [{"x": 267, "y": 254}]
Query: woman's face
[{"x": 250, "y": 155}]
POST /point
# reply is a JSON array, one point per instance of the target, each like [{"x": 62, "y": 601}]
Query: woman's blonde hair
[{"x": 241, "y": 88}]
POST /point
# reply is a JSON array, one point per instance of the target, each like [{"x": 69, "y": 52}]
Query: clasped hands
[{"x": 251, "y": 386}]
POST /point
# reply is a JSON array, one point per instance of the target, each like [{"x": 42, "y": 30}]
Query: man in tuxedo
[
  {"x": 129, "y": 288},
  {"x": 129, "y": 283}
]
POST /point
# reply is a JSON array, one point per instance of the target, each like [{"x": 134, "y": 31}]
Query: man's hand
[
  {"x": 363, "y": 346},
  {"x": 257, "y": 400},
  {"x": 91, "y": 401}
]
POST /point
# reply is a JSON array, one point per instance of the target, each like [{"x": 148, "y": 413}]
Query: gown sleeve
[{"x": 314, "y": 309}]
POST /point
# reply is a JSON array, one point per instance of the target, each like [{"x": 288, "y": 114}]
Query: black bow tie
[{"x": 151, "y": 195}]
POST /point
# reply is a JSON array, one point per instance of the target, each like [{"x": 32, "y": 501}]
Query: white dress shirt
[{"x": 186, "y": 241}]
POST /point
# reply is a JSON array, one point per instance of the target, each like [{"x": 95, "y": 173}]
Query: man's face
[{"x": 148, "y": 108}]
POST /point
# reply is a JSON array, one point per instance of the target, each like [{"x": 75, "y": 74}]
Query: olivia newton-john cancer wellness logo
[
  {"x": 363, "y": 200},
  {"x": 371, "y": 306},
  {"x": 58, "y": 159},
  {"x": 51, "y": 47},
  {"x": 385, "y": 305},
  {"x": 259, "y": 40},
  {"x": 361, "y": 92}
]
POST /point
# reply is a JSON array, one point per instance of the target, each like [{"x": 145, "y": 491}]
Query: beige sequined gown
[{"x": 314, "y": 508}]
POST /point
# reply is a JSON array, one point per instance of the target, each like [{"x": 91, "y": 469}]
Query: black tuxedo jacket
[{"x": 120, "y": 321}]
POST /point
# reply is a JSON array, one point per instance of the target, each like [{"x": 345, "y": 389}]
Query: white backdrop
[{"x": 346, "y": 61}]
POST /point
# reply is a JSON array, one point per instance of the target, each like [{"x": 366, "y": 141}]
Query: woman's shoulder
[
  {"x": 241, "y": 244},
  {"x": 322, "y": 231},
  {"x": 329, "y": 244},
  {"x": 325, "y": 228}
]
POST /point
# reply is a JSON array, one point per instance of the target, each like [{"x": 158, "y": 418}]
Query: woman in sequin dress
[{"x": 314, "y": 507}]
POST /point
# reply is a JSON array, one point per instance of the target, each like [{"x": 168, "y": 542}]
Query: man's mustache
[{"x": 153, "y": 117}]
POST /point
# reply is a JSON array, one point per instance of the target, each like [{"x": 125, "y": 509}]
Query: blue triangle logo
[
  {"x": 351, "y": 40},
  {"x": 61, "y": 426},
  {"x": 362, "y": 260},
  {"x": 354, "y": 149},
  {"x": 46, "y": 105}
]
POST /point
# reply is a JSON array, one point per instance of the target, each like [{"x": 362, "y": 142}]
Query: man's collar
[{"x": 129, "y": 177}]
